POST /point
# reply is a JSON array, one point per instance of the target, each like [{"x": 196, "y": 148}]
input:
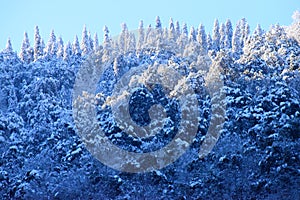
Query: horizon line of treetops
[{"x": 223, "y": 38}]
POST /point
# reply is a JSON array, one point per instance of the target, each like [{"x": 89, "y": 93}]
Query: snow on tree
[
  {"x": 258, "y": 31},
  {"x": 185, "y": 29},
  {"x": 260, "y": 136},
  {"x": 8, "y": 49},
  {"x": 237, "y": 39},
  {"x": 67, "y": 52},
  {"x": 141, "y": 35},
  {"x": 107, "y": 44},
  {"x": 51, "y": 48},
  {"x": 222, "y": 36},
  {"x": 75, "y": 47},
  {"x": 150, "y": 37},
  {"x": 26, "y": 53},
  {"x": 294, "y": 29},
  {"x": 228, "y": 34},
  {"x": 96, "y": 43},
  {"x": 209, "y": 42},
  {"x": 91, "y": 41},
  {"x": 216, "y": 36},
  {"x": 182, "y": 40},
  {"x": 123, "y": 38},
  {"x": 201, "y": 38},
  {"x": 247, "y": 32},
  {"x": 85, "y": 44},
  {"x": 158, "y": 25},
  {"x": 192, "y": 35},
  {"x": 38, "y": 46},
  {"x": 131, "y": 42},
  {"x": 60, "y": 48},
  {"x": 172, "y": 31},
  {"x": 177, "y": 29},
  {"x": 253, "y": 48}
]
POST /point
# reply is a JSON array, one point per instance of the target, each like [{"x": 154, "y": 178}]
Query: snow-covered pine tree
[
  {"x": 96, "y": 43},
  {"x": 38, "y": 46},
  {"x": 51, "y": 48},
  {"x": 141, "y": 35},
  {"x": 223, "y": 36},
  {"x": 8, "y": 49},
  {"x": 258, "y": 31},
  {"x": 185, "y": 29},
  {"x": 216, "y": 36},
  {"x": 177, "y": 29},
  {"x": 123, "y": 38},
  {"x": 75, "y": 47},
  {"x": 91, "y": 42},
  {"x": 236, "y": 40},
  {"x": 158, "y": 25},
  {"x": 201, "y": 38},
  {"x": 107, "y": 45},
  {"x": 182, "y": 40},
  {"x": 172, "y": 31},
  {"x": 228, "y": 34},
  {"x": 131, "y": 42},
  {"x": 209, "y": 42},
  {"x": 192, "y": 35},
  {"x": 85, "y": 42},
  {"x": 67, "y": 52},
  {"x": 26, "y": 53},
  {"x": 294, "y": 29},
  {"x": 60, "y": 48}
]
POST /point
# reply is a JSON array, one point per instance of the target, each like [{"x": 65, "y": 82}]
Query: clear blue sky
[{"x": 68, "y": 17}]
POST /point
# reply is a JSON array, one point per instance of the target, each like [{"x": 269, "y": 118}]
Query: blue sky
[{"x": 68, "y": 17}]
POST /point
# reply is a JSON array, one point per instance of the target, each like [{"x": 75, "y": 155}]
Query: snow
[{"x": 256, "y": 155}]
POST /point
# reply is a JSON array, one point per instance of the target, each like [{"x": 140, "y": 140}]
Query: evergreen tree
[
  {"x": 51, "y": 48},
  {"x": 107, "y": 44},
  {"x": 294, "y": 29},
  {"x": 245, "y": 30},
  {"x": 96, "y": 43},
  {"x": 67, "y": 52},
  {"x": 209, "y": 42},
  {"x": 75, "y": 47},
  {"x": 182, "y": 42},
  {"x": 236, "y": 40},
  {"x": 216, "y": 36},
  {"x": 141, "y": 35},
  {"x": 158, "y": 25},
  {"x": 228, "y": 34},
  {"x": 192, "y": 36},
  {"x": 60, "y": 48},
  {"x": 85, "y": 42},
  {"x": 185, "y": 29},
  {"x": 258, "y": 31},
  {"x": 26, "y": 51},
  {"x": 91, "y": 42},
  {"x": 8, "y": 49},
  {"x": 201, "y": 38},
  {"x": 123, "y": 38},
  {"x": 131, "y": 42},
  {"x": 222, "y": 36},
  {"x": 246, "y": 33},
  {"x": 177, "y": 29},
  {"x": 151, "y": 37},
  {"x": 38, "y": 46},
  {"x": 172, "y": 33}
]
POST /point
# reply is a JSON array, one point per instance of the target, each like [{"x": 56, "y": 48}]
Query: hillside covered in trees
[{"x": 257, "y": 154}]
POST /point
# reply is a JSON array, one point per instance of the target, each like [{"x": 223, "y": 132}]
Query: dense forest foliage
[{"x": 257, "y": 154}]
